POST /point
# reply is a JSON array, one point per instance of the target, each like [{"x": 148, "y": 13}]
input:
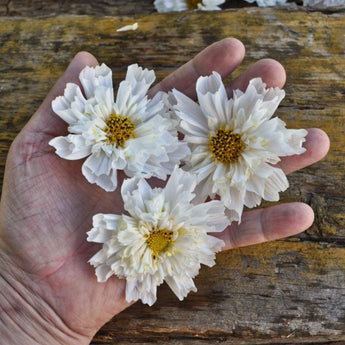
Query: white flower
[
  {"x": 326, "y": 3},
  {"x": 184, "y": 5},
  {"x": 164, "y": 237},
  {"x": 234, "y": 142},
  {"x": 264, "y": 3},
  {"x": 130, "y": 133}
]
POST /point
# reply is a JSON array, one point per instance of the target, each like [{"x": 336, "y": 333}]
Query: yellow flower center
[
  {"x": 193, "y": 4},
  {"x": 226, "y": 146},
  {"x": 158, "y": 241},
  {"x": 119, "y": 129}
]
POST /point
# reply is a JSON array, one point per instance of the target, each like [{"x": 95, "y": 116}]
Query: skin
[{"x": 48, "y": 292}]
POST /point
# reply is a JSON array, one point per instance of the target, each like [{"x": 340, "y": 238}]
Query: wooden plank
[
  {"x": 288, "y": 291},
  {"x": 33, "y": 8},
  {"x": 280, "y": 292},
  {"x": 49, "y": 8}
]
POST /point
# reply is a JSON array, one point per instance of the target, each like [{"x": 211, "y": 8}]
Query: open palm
[{"x": 47, "y": 208}]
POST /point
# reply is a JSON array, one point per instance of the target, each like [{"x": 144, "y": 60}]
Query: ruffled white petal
[
  {"x": 191, "y": 114},
  {"x": 265, "y": 3},
  {"x": 249, "y": 114},
  {"x": 93, "y": 77},
  {"x": 99, "y": 169},
  {"x": 103, "y": 272},
  {"x": 131, "y": 97},
  {"x": 71, "y": 147},
  {"x": 213, "y": 99},
  {"x": 179, "y": 188},
  {"x": 181, "y": 5},
  {"x": 170, "y": 5},
  {"x": 181, "y": 285},
  {"x": 71, "y": 105},
  {"x": 155, "y": 150},
  {"x": 276, "y": 182},
  {"x": 104, "y": 98},
  {"x": 106, "y": 221},
  {"x": 208, "y": 215},
  {"x": 126, "y": 252},
  {"x": 256, "y": 105},
  {"x": 152, "y": 150}
]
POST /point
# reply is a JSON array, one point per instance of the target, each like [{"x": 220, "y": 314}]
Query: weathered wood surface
[
  {"x": 48, "y": 8},
  {"x": 287, "y": 291},
  {"x": 103, "y": 8}
]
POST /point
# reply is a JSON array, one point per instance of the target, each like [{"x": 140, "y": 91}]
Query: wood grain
[
  {"x": 288, "y": 291},
  {"x": 33, "y": 8}
]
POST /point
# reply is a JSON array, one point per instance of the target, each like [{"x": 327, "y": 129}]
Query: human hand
[{"x": 47, "y": 288}]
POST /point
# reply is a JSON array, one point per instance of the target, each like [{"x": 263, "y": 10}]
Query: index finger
[{"x": 223, "y": 56}]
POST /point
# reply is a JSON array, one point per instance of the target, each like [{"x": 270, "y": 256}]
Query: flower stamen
[
  {"x": 226, "y": 146},
  {"x": 158, "y": 241},
  {"x": 119, "y": 129},
  {"x": 193, "y": 4}
]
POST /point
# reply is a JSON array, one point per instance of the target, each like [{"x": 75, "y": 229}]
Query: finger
[
  {"x": 317, "y": 146},
  {"x": 267, "y": 224},
  {"x": 270, "y": 71},
  {"x": 45, "y": 120},
  {"x": 223, "y": 56}
]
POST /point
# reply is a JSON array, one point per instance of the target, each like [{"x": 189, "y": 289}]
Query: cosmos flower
[
  {"x": 236, "y": 142},
  {"x": 131, "y": 133},
  {"x": 164, "y": 237},
  {"x": 184, "y": 5},
  {"x": 264, "y": 3}
]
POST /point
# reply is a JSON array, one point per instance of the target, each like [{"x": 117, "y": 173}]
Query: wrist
[{"x": 25, "y": 317}]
